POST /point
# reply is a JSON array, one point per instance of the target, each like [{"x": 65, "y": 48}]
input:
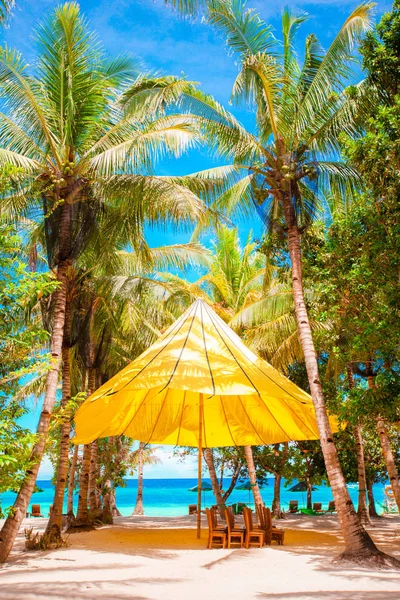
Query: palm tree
[
  {"x": 235, "y": 281},
  {"x": 6, "y": 7},
  {"x": 293, "y": 165},
  {"x": 65, "y": 127},
  {"x": 144, "y": 455}
]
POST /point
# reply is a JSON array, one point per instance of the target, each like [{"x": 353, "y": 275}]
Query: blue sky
[{"x": 174, "y": 45}]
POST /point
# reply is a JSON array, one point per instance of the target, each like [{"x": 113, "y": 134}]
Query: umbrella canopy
[
  {"x": 245, "y": 486},
  {"x": 204, "y": 487},
  {"x": 198, "y": 371},
  {"x": 301, "y": 487}
]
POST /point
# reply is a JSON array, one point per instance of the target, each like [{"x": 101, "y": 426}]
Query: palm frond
[{"x": 244, "y": 31}]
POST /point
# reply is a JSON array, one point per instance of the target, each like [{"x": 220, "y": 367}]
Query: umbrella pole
[{"x": 199, "y": 463}]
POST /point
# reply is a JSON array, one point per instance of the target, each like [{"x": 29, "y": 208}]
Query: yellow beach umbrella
[{"x": 198, "y": 385}]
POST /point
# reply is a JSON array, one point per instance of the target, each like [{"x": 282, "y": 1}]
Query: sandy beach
[{"x": 156, "y": 558}]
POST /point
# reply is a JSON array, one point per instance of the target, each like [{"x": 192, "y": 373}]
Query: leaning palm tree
[
  {"x": 294, "y": 165},
  {"x": 64, "y": 126}
]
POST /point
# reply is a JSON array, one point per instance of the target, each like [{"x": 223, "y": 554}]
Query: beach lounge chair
[
  {"x": 215, "y": 536},
  {"x": 192, "y": 509},
  {"x": 331, "y": 506},
  {"x": 317, "y": 507},
  {"x": 254, "y": 537},
  {"x": 36, "y": 511},
  {"x": 293, "y": 506},
  {"x": 272, "y": 533}
]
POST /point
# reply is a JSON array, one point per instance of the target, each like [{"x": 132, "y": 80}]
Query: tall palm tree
[
  {"x": 144, "y": 455},
  {"x": 294, "y": 164},
  {"x": 65, "y": 127},
  {"x": 235, "y": 281}
]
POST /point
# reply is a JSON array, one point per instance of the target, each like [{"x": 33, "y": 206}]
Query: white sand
[{"x": 153, "y": 558}]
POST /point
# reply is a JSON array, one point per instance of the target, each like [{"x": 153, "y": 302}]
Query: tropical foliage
[{"x": 84, "y": 292}]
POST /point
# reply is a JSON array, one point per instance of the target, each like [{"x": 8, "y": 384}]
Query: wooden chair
[
  {"x": 272, "y": 533},
  {"x": 331, "y": 506},
  {"x": 235, "y": 535},
  {"x": 36, "y": 511},
  {"x": 215, "y": 536},
  {"x": 317, "y": 507},
  {"x": 254, "y": 537},
  {"x": 293, "y": 506},
  {"x": 260, "y": 515},
  {"x": 216, "y": 525}
]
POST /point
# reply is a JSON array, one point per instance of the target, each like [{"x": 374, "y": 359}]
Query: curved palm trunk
[
  {"x": 55, "y": 520},
  {"x": 14, "y": 520},
  {"x": 71, "y": 481},
  {"x": 231, "y": 487},
  {"x": 362, "y": 479},
  {"x": 139, "y": 498},
  {"x": 113, "y": 503},
  {"x": 248, "y": 452},
  {"x": 371, "y": 501},
  {"x": 389, "y": 459},
  {"x": 209, "y": 458},
  {"x": 358, "y": 544},
  {"x": 386, "y": 448}
]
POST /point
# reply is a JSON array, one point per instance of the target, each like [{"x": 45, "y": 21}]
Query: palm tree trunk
[
  {"x": 358, "y": 544},
  {"x": 139, "y": 498},
  {"x": 362, "y": 511},
  {"x": 389, "y": 459},
  {"x": 14, "y": 520},
  {"x": 386, "y": 447},
  {"x": 113, "y": 503},
  {"x": 55, "y": 520},
  {"x": 309, "y": 493},
  {"x": 93, "y": 475},
  {"x": 209, "y": 457},
  {"x": 371, "y": 501},
  {"x": 276, "y": 502},
  {"x": 82, "y": 516},
  {"x": 71, "y": 481},
  {"x": 248, "y": 452}
]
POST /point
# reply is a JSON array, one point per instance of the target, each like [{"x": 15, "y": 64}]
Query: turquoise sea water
[{"x": 170, "y": 497}]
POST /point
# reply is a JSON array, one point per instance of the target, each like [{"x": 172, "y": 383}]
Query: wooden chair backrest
[
  {"x": 317, "y": 506},
  {"x": 36, "y": 509},
  {"x": 209, "y": 519},
  {"x": 260, "y": 514},
  {"x": 229, "y": 520},
  {"x": 268, "y": 518},
  {"x": 331, "y": 505},
  {"x": 231, "y": 515},
  {"x": 248, "y": 518},
  {"x": 214, "y": 517},
  {"x": 293, "y": 503},
  {"x": 268, "y": 525}
]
